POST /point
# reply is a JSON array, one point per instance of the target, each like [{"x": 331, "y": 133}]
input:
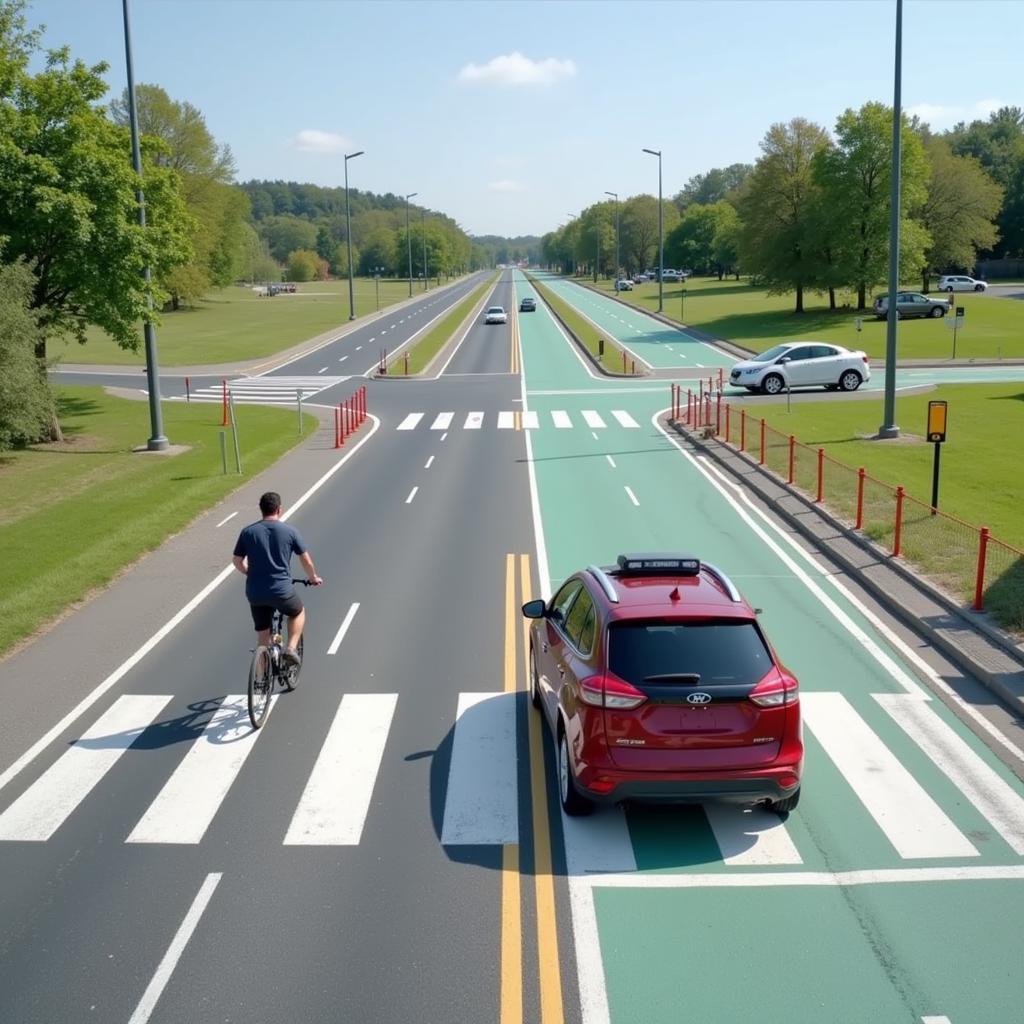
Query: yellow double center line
[
  {"x": 548, "y": 967},
  {"x": 513, "y": 334}
]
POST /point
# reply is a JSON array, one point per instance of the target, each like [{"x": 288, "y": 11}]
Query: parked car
[
  {"x": 910, "y": 304},
  {"x": 495, "y": 315},
  {"x": 528, "y": 305},
  {"x": 625, "y": 285},
  {"x": 672, "y": 275},
  {"x": 657, "y": 683},
  {"x": 802, "y": 364},
  {"x": 960, "y": 283},
  {"x": 640, "y": 278}
]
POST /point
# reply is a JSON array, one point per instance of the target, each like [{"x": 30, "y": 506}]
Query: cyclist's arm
[
  {"x": 307, "y": 564},
  {"x": 241, "y": 564}
]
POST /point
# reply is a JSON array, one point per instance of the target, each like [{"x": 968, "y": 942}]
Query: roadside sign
[
  {"x": 960, "y": 314},
  {"x": 937, "y": 415}
]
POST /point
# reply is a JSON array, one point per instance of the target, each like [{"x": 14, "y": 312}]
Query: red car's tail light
[
  {"x": 774, "y": 691},
  {"x": 610, "y": 692}
]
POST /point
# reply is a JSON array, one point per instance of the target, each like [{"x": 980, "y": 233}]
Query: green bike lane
[{"x": 896, "y": 885}]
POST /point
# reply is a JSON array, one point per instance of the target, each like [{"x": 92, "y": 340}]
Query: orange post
[
  {"x": 224, "y": 385},
  {"x": 762, "y": 443},
  {"x": 718, "y": 415},
  {"x": 632, "y": 366},
  {"x": 821, "y": 474},
  {"x": 743, "y": 430},
  {"x": 897, "y": 538},
  {"x": 979, "y": 583},
  {"x": 792, "y": 452},
  {"x": 727, "y": 423},
  {"x": 860, "y": 499},
  {"x": 339, "y": 434}
]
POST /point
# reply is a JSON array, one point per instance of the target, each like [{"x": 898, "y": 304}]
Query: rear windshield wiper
[{"x": 674, "y": 677}]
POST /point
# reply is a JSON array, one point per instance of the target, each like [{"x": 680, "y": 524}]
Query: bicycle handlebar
[{"x": 305, "y": 583}]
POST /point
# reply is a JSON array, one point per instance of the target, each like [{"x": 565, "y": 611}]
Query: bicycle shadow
[{"x": 217, "y": 720}]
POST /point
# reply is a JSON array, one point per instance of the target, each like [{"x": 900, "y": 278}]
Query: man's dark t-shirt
[{"x": 269, "y": 546}]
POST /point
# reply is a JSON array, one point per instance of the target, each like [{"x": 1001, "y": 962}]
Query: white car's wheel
[
  {"x": 949, "y": 288},
  {"x": 772, "y": 384},
  {"x": 850, "y": 380},
  {"x": 979, "y": 287}
]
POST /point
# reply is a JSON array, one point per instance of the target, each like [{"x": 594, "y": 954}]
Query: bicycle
[{"x": 268, "y": 668}]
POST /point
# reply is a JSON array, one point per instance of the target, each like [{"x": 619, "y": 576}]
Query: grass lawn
[
  {"x": 75, "y": 514},
  {"x": 437, "y": 337},
  {"x": 738, "y": 312},
  {"x": 587, "y": 333},
  {"x": 236, "y": 324},
  {"x": 980, "y": 480}
]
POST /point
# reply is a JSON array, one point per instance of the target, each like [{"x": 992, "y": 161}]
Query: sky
[{"x": 512, "y": 117}]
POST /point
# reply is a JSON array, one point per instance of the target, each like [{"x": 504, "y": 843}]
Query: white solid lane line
[
  {"x": 481, "y": 803},
  {"x": 443, "y": 421},
  {"x": 592, "y": 419},
  {"x": 625, "y": 419},
  {"x": 46, "y": 804},
  {"x": 474, "y": 421},
  {"x": 410, "y": 421},
  {"x": 995, "y": 798},
  {"x": 531, "y": 421},
  {"x": 561, "y": 419},
  {"x": 184, "y": 808},
  {"x": 506, "y": 420},
  {"x": 412, "y": 494},
  {"x": 225, "y": 519},
  {"x": 913, "y": 822},
  {"x": 632, "y": 496},
  {"x": 429, "y": 462},
  {"x": 345, "y": 623},
  {"x": 935, "y": 1020},
  {"x": 750, "y": 835},
  {"x": 333, "y": 807},
  {"x": 170, "y": 960},
  {"x": 611, "y": 462}
]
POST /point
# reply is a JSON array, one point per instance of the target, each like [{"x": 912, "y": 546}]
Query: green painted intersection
[{"x": 889, "y": 933}]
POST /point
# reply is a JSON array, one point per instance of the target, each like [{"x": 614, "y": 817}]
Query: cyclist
[{"x": 263, "y": 555}]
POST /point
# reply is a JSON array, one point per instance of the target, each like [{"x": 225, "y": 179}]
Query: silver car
[
  {"x": 495, "y": 315},
  {"x": 909, "y": 304},
  {"x": 802, "y": 364},
  {"x": 960, "y": 283}
]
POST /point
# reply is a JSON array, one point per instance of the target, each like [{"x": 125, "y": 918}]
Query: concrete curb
[{"x": 973, "y": 644}]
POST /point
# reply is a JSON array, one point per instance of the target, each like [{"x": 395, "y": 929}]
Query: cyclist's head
[{"x": 270, "y": 503}]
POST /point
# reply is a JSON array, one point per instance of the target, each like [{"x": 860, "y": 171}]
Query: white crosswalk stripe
[
  {"x": 443, "y": 421},
  {"x": 269, "y": 390},
  {"x": 474, "y": 421},
  {"x": 531, "y": 420},
  {"x": 592, "y": 419},
  {"x": 528, "y": 419},
  {"x": 625, "y": 419},
  {"x": 506, "y": 420},
  {"x": 561, "y": 419},
  {"x": 410, "y": 421},
  {"x": 481, "y": 801}
]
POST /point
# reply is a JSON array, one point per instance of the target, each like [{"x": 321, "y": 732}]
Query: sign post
[
  {"x": 956, "y": 323},
  {"x": 937, "y": 418}
]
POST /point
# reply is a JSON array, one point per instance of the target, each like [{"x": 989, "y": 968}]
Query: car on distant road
[
  {"x": 640, "y": 278},
  {"x": 657, "y": 683},
  {"x": 495, "y": 315},
  {"x": 911, "y": 304},
  {"x": 672, "y": 275},
  {"x": 961, "y": 283},
  {"x": 624, "y": 285},
  {"x": 802, "y": 364},
  {"x": 528, "y": 305}
]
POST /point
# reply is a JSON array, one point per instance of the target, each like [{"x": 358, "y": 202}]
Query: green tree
[
  {"x": 303, "y": 265},
  {"x": 719, "y": 183},
  {"x": 959, "y": 211},
  {"x": 26, "y": 405},
  {"x": 257, "y": 263},
  {"x": 705, "y": 239},
  {"x": 639, "y": 230},
  {"x": 285, "y": 234},
  {"x": 855, "y": 176},
  {"x": 775, "y": 243},
  {"x": 68, "y": 195},
  {"x": 339, "y": 262}
]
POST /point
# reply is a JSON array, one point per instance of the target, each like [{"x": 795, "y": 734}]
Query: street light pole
[
  {"x": 408, "y": 237},
  {"x": 888, "y": 427},
  {"x": 618, "y": 265},
  {"x": 157, "y": 441},
  {"x": 348, "y": 234},
  {"x": 423, "y": 232},
  {"x": 661, "y": 237}
]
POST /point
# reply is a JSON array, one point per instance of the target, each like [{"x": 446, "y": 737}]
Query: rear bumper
[{"x": 743, "y": 786}]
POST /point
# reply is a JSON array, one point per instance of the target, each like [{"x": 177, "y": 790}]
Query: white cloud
[
  {"x": 310, "y": 140},
  {"x": 939, "y": 116},
  {"x": 506, "y": 185},
  {"x": 515, "y": 69}
]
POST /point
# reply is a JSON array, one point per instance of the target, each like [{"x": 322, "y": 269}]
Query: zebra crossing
[
  {"x": 268, "y": 390},
  {"x": 520, "y": 419},
  {"x": 481, "y": 802}
]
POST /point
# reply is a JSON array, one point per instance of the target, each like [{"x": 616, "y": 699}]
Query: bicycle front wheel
[{"x": 261, "y": 686}]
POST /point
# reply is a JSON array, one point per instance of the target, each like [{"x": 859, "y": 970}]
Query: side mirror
[
  {"x": 783, "y": 360},
  {"x": 534, "y": 609}
]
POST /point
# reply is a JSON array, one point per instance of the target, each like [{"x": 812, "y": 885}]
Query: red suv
[{"x": 658, "y": 684}]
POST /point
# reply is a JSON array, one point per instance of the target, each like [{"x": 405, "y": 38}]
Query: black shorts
[{"x": 263, "y": 614}]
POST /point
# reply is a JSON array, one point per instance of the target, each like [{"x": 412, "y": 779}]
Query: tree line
[{"x": 812, "y": 214}]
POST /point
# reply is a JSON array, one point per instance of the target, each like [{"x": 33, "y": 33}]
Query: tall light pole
[
  {"x": 888, "y": 427},
  {"x": 408, "y": 237},
  {"x": 423, "y": 232},
  {"x": 348, "y": 233},
  {"x": 661, "y": 237},
  {"x": 618, "y": 265},
  {"x": 157, "y": 441}
]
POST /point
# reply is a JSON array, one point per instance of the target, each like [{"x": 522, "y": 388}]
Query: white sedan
[
  {"x": 495, "y": 315},
  {"x": 802, "y": 364},
  {"x": 960, "y": 283}
]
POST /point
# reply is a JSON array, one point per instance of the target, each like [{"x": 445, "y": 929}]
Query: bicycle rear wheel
[
  {"x": 290, "y": 675},
  {"x": 261, "y": 686}
]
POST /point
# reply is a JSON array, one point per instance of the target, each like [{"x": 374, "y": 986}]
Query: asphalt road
[{"x": 384, "y": 849}]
